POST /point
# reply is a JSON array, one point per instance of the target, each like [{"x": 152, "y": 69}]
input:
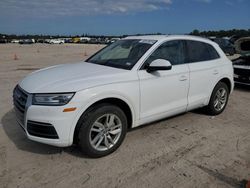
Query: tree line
[{"x": 220, "y": 33}]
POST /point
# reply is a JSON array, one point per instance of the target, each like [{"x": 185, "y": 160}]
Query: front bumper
[{"x": 44, "y": 124}]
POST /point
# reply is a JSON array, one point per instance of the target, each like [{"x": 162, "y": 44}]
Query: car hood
[{"x": 72, "y": 78}]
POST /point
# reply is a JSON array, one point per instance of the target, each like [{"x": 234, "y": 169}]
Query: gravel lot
[{"x": 189, "y": 150}]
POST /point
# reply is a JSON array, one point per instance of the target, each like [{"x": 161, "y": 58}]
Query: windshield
[{"x": 122, "y": 54}]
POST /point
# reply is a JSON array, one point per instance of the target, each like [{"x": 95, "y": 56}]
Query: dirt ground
[{"x": 189, "y": 150}]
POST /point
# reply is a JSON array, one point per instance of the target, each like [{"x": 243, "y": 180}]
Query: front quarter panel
[{"x": 126, "y": 91}]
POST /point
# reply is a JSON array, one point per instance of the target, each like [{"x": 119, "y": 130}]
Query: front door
[{"x": 164, "y": 93}]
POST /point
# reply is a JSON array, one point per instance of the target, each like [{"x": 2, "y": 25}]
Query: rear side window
[{"x": 200, "y": 51}]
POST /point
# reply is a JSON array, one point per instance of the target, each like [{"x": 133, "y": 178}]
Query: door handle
[
  {"x": 215, "y": 72},
  {"x": 183, "y": 78}
]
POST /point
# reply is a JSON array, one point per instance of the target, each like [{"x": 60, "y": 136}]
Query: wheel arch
[
  {"x": 117, "y": 101},
  {"x": 225, "y": 80}
]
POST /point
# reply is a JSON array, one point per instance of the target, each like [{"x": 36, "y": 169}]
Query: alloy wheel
[
  {"x": 105, "y": 132},
  {"x": 220, "y": 99}
]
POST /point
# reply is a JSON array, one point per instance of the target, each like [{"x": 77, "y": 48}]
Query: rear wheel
[
  {"x": 219, "y": 99},
  {"x": 102, "y": 130}
]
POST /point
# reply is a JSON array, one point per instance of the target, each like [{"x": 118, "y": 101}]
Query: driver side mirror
[{"x": 159, "y": 64}]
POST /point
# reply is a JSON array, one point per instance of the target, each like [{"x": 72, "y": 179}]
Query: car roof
[
  {"x": 148, "y": 37},
  {"x": 169, "y": 37}
]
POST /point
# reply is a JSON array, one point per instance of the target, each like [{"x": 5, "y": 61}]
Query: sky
[{"x": 120, "y": 17}]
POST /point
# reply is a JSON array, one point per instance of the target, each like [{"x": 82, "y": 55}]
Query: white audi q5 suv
[{"x": 131, "y": 82}]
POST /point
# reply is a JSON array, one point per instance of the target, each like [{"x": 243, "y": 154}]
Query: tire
[
  {"x": 100, "y": 131},
  {"x": 212, "y": 108}
]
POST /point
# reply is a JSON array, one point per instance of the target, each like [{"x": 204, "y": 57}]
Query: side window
[
  {"x": 172, "y": 51},
  {"x": 212, "y": 52},
  {"x": 200, "y": 51}
]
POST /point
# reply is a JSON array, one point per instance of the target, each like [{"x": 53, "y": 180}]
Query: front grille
[
  {"x": 19, "y": 100},
  {"x": 39, "y": 129}
]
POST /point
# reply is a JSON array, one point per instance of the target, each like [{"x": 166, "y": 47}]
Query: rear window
[{"x": 200, "y": 51}]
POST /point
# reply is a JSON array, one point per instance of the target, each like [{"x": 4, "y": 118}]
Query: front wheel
[
  {"x": 219, "y": 99},
  {"x": 102, "y": 131}
]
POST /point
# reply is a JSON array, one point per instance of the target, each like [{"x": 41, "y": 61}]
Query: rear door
[{"x": 204, "y": 65}]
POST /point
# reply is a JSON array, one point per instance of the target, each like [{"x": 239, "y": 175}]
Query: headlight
[{"x": 52, "y": 99}]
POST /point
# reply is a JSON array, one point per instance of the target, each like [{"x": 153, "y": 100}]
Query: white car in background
[
  {"x": 15, "y": 41},
  {"x": 134, "y": 81},
  {"x": 56, "y": 41}
]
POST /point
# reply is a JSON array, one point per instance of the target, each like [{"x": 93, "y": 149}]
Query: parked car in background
[
  {"x": 134, "y": 81},
  {"x": 84, "y": 39},
  {"x": 56, "y": 41},
  {"x": 243, "y": 45},
  {"x": 68, "y": 40},
  {"x": 225, "y": 45},
  {"x": 46, "y": 41},
  {"x": 27, "y": 41},
  {"x": 15, "y": 41},
  {"x": 93, "y": 41},
  {"x": 112, "y": 40},
  {"x": 242, "y": 70},
  {"x": 76, "y": 40},
  {"x": 102, "y": 41},
  {"x": 3, "y": 41},
  {"x": 41, "y": 41},
  {"x": 234, "y": 38}
]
